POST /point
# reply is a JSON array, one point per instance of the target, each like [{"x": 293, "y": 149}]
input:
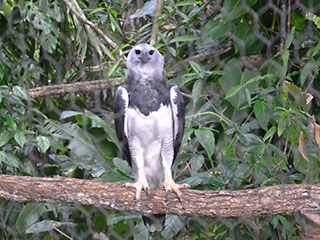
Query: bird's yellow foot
[
  {"x": 139, "y": 185},
  {"x": 170, "y": 186}
]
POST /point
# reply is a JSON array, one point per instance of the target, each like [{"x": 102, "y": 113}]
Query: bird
[{"x": 149, "y": 122}]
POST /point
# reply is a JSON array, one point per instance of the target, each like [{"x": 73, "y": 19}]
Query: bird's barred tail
[{"x": 154, "y": 222}]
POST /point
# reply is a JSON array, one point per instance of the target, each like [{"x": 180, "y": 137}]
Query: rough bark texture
[
  {"x": 249, "y": 203},
  {"x": 74, "y": 87}
]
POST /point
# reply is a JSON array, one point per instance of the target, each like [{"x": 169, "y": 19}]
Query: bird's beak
[{"x": 144, "y": 57}]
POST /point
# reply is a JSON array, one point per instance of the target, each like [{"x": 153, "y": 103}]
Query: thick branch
[
  {"x": 279, "y": 199},
  {"x": 74, "y": 87}
]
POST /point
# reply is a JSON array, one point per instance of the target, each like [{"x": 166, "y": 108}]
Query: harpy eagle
[{"x": 149, "y": 122}]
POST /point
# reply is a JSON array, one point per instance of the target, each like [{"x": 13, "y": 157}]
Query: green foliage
[{"x": 248, "y": 122}]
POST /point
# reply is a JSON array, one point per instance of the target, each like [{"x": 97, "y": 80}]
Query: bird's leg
[
  {"x": 141, "y": 183},
  {"x": 170, "y": 185}
]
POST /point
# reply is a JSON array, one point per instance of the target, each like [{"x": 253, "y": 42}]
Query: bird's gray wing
[
  {"x": 177, "y": 105},
  {"x": 121, "y": 102}
]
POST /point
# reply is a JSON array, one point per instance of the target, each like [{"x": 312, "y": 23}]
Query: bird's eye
[
  {"x": 137, "y": 51},
  {"x": 151, "y": 52}
]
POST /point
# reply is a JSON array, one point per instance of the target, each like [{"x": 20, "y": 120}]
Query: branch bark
[
  {"x": 248, "y": 203},
  {"x": 74, "y": 87},
  {"x": 155, "y": 25}
]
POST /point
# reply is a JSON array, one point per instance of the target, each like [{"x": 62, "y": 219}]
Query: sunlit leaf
[
  {"x": 233, "y": 91},
  {"x": 8, "y": 159},
  {"x": 20, "y": 138},
  {"x": 270, "y": 133},
  {"x": 68, "y": 114},
  {"x": 21, "y": 92},
  {"x": 43, "y": 143}
]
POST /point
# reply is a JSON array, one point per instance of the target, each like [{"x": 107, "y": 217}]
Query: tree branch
[
  {"x": 155, "y": 25},
  {"x": 248, "y": 203},
  {"x": 83, "y": 19},
  {"x": 74, "y": 87}
]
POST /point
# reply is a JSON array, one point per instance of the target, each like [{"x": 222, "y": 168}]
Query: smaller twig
[
  {"x": 83, "y": 19},
  {"x": 62, "y": 233},
  {"x": 283, "y": 23}
]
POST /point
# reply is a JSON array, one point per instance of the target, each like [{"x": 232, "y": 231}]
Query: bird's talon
[
  {"x": 168, "y": 195},
  {"x": 124, "y": 185},
  {"x": 180, "y": 198},
  {"x": 136, "y": 202},
  {"x": 148, "y": 191}
]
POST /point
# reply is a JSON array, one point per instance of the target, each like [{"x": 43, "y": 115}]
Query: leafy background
[{"x": 251, "y": 96}]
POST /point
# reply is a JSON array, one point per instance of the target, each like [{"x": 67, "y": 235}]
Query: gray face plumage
[{"x": 145, "y": 60}]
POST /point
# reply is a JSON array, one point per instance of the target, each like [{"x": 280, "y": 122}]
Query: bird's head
[{"x": 145, "y": 59}]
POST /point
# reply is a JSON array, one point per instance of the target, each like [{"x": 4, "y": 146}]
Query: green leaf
[
  {"x": 68, "y": 114},
  {"x": 248, "y": 96},
  {"x": 99, "y": 221},
  {"x": 8, "y": 159},
  {"x": 20, "y": 138},
  {"x": 304, "y": 72},
  {"x": 112, "y": 137},
  {"x": 297, "y": 20},
  {"x": 269, "y": 133},
  {"x": 122, "y": 166},
  {"x": 196, "y": 163},
  {"x": 30, "y": 214},
  {"x": 233, "y": 91},
  {"x": 172, "y": 51},
  {"x": 258, "y": 78},
  {"x": 216, "y": 29},
  {"x": 43, "y": 143},
  {"x": 115, "y": 24},
  {"x": 195, "y": 67},
  {"x": 184, "y": 38},
  {"x": 206, "y": 139},
  {"x": 11, "y": 123},
  {"x": 260, "y": 109},
  {"x": 173, "y": 225},
  {"x": 197, "y": 179},
  {"x": 290, "y": 38},
  {"x": 4, "y": 138},
  {"x": 196, "y": 90},
  {"x": 21, "y": 92},
  {"x": 282, "y": 123},
  {"x": 285, "y": 57},
  {"x": 49, "y": 42},
  {"x": 113, "y": 68},
  {"x": 46, "y": 225},
  {"x": 141, "y": 232}
]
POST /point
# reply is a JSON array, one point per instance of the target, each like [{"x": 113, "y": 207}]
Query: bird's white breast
[
  {"x": 153, "y": 127},
  {"x": 149, "y": 134}
]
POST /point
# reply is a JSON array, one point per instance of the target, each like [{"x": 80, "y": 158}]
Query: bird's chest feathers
[{"x": 153, "y": 127}]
